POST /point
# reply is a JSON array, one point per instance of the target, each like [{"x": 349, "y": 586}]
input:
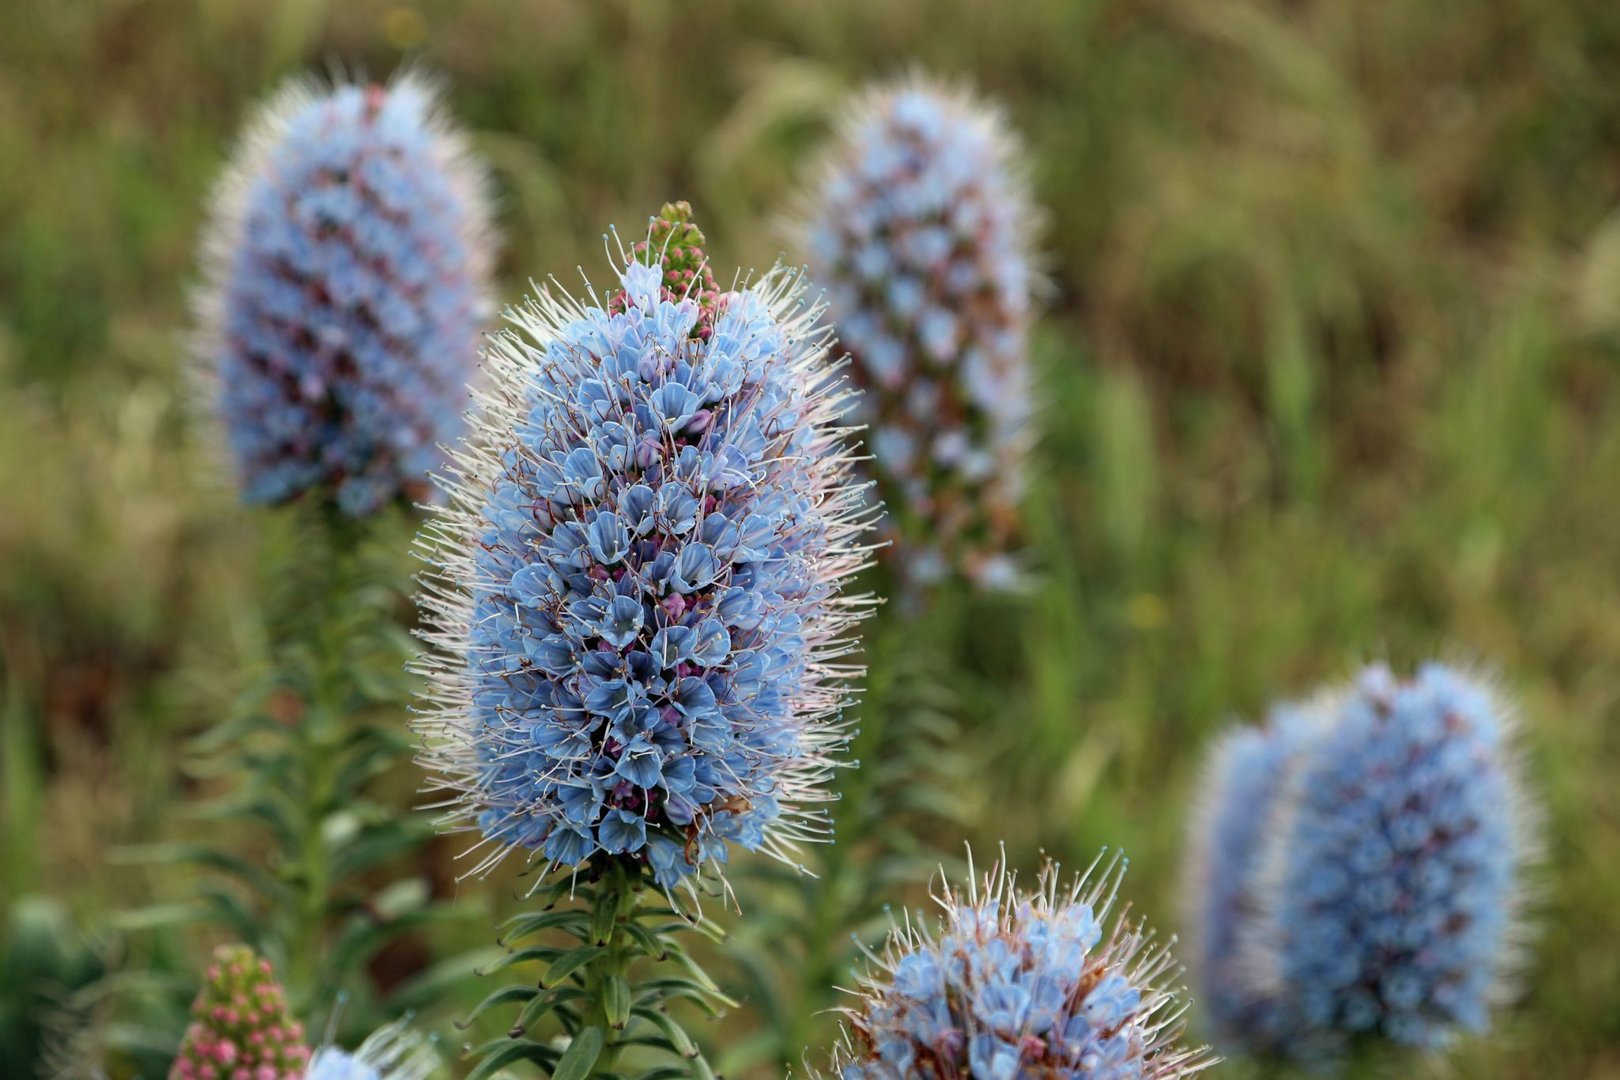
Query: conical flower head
[
  {"x": 347, "y": 266},
  {"x": 637, "y": 613},
  {"x": 394, "y": 1052},
  {"x": 240, "y": 1028},
  {"x": 1383, "y": 888},
  {"x": 919, "y": 225},
  {"x": 1019, "y": 985},
  {"x": 1243, "y": 779}
]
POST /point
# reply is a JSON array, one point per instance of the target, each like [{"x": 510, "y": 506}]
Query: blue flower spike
[
  {"x": 346, "y": 287},
  {"x": 1016, "y": 985},
  {"x": 920, "y": 226},
  {"x": 636, "y": 615},
  {"x": 1243, "y": 776},
  {"x": 1363, "y": 869}
]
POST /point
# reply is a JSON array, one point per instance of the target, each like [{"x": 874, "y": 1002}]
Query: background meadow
[{"x": 1330, "y": 372}]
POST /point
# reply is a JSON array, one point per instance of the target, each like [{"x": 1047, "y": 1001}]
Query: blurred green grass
[{"x": 1331, "y": 372}]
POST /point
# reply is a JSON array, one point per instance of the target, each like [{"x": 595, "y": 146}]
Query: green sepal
[
  {"x": 604, "y": 913},
  {"x": 616, "y": 1001}
]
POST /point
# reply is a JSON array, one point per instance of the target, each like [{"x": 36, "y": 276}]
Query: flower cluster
[
  {"x": 676, "y": 245},
  {"x": 919, "y": 225},
  {"x": 1364, "y": 861},
  {"x": 348, "y": 265},
  {"x": 1242, "y": 778},
  {"x": 240, "y": 1027},
  {"x": 395, "y": 1052},
  {"x": 1019, "y": 985},
  {"x": 637, "y": 609}
]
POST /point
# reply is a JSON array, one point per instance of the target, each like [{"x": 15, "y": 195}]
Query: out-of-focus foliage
[
  {"x": 1332, "y": 372},
  {"x": 43, "y": 960}
]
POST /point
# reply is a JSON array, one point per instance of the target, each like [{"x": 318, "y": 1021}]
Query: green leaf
[
  {"x": 441, "y": 979},
  {"x": 695, "y": 970},
  {"x": 499, "y": 1053},
  {"x": 572, "y": 921},
  {"x": 369, "y": 756},
  {"x": 234, "y": 807},
  {"x": 227, "y": 909},
  {"x": 707, "y": 927},
  {"x": 542, "y": 953},
  {"x": 679, "y": 1041},
  {"x": 155, "y": 916},
  {"x": 376, "y": 844},
  {"x": 403, "y": 896},
  {"x": 674, "y": 988},
  {"x": 363, "y": 938},
  {"x": 742, "y": 1056},
  {"x": 649, "y": 944},
  {"x": 203, "y": 855},
  {"x": 506, "y": 995},
  {"x": 135, "y": 1039},
  {"x": 547, "y": 1000},
  {"x": 570, "y": 962},
  {"x": 578, "y": 1060}
]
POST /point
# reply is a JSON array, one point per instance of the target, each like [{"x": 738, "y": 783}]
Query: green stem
[
  {"x": 623, "y": 895},
  {"x": 304, "y": 945},
  {"x": 316, "y": 747},
  {"x": 616, "y": 920}
]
